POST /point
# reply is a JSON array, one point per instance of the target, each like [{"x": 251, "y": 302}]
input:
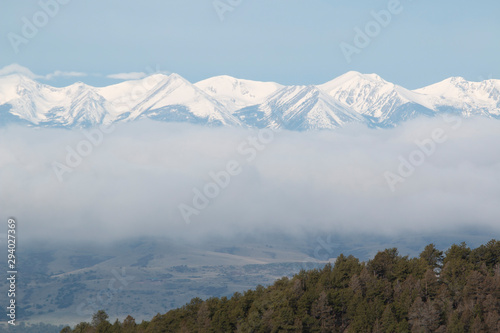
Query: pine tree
[
  {"x": 432, "y": 257},
  {"x": 423, "y": 316}
]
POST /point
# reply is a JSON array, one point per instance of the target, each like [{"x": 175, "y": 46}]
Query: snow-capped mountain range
[{"x": 224, "y": 100}]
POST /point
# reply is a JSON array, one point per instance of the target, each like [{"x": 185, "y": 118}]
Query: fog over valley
[{"x": 192, "y": 183}]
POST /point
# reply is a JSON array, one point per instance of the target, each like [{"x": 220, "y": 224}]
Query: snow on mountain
[
  {"x": 23, "y": 95},
  {"x": 160, "y": 97},
  {"x": 299, "y": 108},
  {"x": 167, "y": 98},
  {"x": 236, "y": 94},
  {"x": 224, "y": 100},
  {"x": 372, "y": 96},
  {"x": 44, "y": 105},
  {"x": 124, "y": 96},
  {"x": 8, "y": 87},
  {"x": 471, "y": 98},
  {"x": 85, "y": 108}
]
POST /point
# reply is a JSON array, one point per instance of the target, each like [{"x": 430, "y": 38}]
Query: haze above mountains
[{"x": 227, "y": 101}]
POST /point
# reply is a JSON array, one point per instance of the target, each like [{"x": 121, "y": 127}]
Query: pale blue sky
[{"x": 287, "y": 41}]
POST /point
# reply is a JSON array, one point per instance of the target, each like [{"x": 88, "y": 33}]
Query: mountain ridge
[{"x": 228, "y": 101}]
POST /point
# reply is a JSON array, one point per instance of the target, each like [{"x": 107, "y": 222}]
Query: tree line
[{"x": 456, "y": 291}]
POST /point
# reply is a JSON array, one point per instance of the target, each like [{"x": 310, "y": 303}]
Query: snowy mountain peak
[
  {"x": 451, "y": 87},
  {"x": 352, "y": 77},
  {"x": 10, "y": 86},
  {"x": 172, "y": 77},
  {"x": 470, "y": 98},
  {"x": 370, "y": 95},
  {"x": 158, "y": 77},
  {"x": 301, "y": 108},
  {"x": 225, "y": 100},
  {"x": 456, "y": 79},
  {"x": 235, "y": 93}
]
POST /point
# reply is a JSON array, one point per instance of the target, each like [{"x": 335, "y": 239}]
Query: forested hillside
[{"x": 456, "y": 291}]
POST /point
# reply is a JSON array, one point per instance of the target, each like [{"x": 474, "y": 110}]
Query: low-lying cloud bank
[{"x": 189, "y": 182}]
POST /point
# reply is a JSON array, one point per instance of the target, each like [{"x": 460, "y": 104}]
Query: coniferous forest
[{"x": 456, "y": 291}]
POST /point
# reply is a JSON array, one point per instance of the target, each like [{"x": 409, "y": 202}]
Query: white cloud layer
[
  {"x": 18, "y": 69},
  {"x": 127, "y": 76},
  {"x": 63, "y": 74},
  {"x": 133, "y": 182}
]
